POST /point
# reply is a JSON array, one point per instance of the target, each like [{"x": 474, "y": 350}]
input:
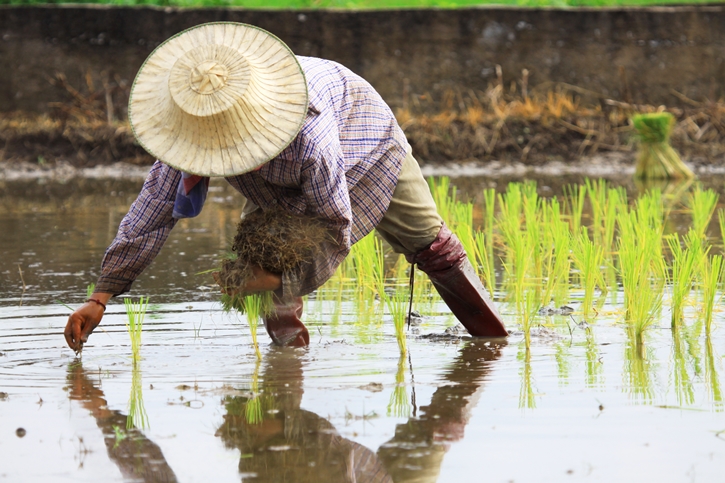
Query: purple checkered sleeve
[{"x": 142, "y": 232}]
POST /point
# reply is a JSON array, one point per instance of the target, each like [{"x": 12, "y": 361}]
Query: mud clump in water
[{"x": 275, "y": 240}]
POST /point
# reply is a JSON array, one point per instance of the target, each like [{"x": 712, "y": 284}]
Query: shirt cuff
[{"x": 112, "y": 285}]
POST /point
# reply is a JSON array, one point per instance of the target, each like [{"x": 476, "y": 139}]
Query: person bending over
[{"x": 303, "y": 134}]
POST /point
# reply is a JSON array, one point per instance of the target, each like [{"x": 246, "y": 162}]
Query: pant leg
[{"x": 411, "y": 222}]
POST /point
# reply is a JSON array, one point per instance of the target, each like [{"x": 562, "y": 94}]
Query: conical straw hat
[{"x": 218, "y": 99}]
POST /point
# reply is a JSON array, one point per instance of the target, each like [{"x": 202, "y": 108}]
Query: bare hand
[
  {"x": 82, "y": 322},
  {"x": 262, "y": 281}
]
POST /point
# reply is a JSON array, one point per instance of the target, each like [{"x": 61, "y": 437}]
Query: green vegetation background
[{"x": 365, "y": 4}]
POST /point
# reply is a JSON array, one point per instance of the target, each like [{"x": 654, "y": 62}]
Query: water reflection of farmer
[
  {"x": 290, "y": 443},
  {"x": 416, "y": 451},
  {"x": 138, "y": 458},
  {"x": 300, "y": 133}
]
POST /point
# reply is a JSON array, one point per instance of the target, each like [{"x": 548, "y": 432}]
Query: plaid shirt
[{"x": 342, "y": 167}]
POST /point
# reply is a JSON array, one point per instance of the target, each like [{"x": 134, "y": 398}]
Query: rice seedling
[
  {"x": 399, "y": 406},
  {"x": 137, "y": 416},
  {"x": 485, "y": 262},
  {"x": 445, "y": 197},
  {"x": 684, "y": 264},
  {"x": 574, "y": 204},
  {"x": 255, "y": 306},
  {"x": 90, "y": 289},
  {"x": 656, "y": 158},
  {"x": 712, "y": 376},
  {"x": 702, "y": 204},
  {"x": 641, "y": 267},
  {"x": 369, "y": 263},
  {"x": 135, "y": 314},
  {"x": 555, "y": 245},
  {"x": 680, "y": 375},
  {"x": 712, "y": 280},
  {"x": 588, "y": 258},
  {"x": 398, "y": 304}
]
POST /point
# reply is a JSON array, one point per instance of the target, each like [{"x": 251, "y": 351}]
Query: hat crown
[
  {"x": 218, "y": 99},
  {"x": 208, "y": 77}
]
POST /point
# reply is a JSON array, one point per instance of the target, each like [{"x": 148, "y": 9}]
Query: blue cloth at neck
[{"x": 190, "y": 196}]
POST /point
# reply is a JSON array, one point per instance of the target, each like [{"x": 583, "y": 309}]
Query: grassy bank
[{"x": 364, "y": 4}]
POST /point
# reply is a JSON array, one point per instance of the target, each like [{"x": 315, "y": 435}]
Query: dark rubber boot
[
  {"x": 455, "y": 279},
  {"x": 284, "y": 326}
]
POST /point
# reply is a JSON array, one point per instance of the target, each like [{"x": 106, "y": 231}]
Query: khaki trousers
[{"x": 411, "y": 222}]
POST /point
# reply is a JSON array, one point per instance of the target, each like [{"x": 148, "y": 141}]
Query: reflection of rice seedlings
[
  {"x": 682, "y": 382},
  {"x": 638, "y": 369},
  {"x": 684, "y": 263},
  {"x": 137, "y": 416},
  {"x": 527, "y": 398},
  {"x": 593, "y": 364},
  {"x": 253, "y": 411},
  {"x": 712, "y": 279},
  {"x": 712, "y": 378},
  {"x": 135, "y": 314},
  {"x": 399, "y": 406},
  {"x": 702, "y": 205},
  {"x": 588, "y": 258},
  {"x": 398, "y": 303},
  {"x": 562, "y": 354}
]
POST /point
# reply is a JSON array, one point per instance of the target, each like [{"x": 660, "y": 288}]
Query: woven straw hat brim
[{"x": 218, "y": 99}]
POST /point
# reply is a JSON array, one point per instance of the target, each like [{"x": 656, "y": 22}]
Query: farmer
[{"x": 303, "y": 134}]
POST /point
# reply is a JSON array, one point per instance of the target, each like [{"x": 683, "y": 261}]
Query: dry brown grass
[
  {"x": 548, "y": 122},
  {"x": 87, "y": 126}
]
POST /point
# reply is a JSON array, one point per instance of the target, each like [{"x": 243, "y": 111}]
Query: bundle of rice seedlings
[
  {"x": 656, "y": 158},
  {"x": 274, "y": 240}
]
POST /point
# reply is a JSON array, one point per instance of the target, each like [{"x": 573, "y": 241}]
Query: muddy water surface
[{"x": 577, "y": 403}]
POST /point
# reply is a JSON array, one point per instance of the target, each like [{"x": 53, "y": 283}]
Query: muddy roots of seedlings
[{"x": 275, "y": 240}]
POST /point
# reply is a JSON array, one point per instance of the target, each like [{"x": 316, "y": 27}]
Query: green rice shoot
[{"x": 135, "y": 314}]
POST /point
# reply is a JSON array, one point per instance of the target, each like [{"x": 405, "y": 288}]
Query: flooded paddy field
[{"x": 567, "y": 396}]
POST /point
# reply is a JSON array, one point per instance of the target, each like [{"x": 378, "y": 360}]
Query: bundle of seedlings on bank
[
  {"x": 135, "y": 314},
  {"x": 656, "y": 158}
]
